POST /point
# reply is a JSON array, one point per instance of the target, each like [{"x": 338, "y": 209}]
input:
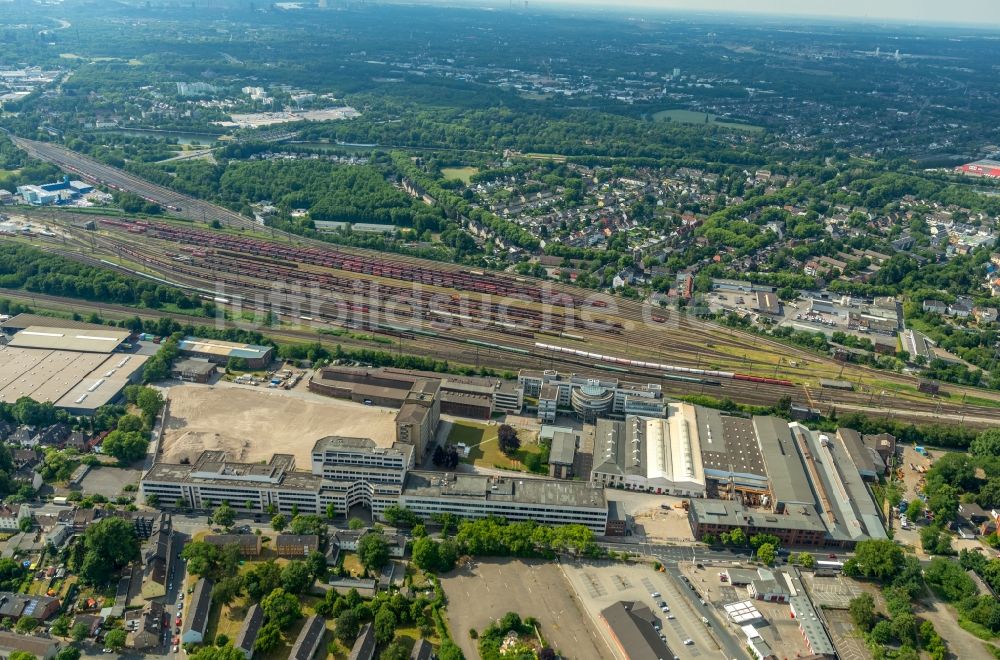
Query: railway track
[{"x": 673, "y": 339}]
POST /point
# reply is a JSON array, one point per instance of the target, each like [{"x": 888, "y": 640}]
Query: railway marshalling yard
[
  {"x": 356, "y": 298},
  {"x": 307, "y": 278}
]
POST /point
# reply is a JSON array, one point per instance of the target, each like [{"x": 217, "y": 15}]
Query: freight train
[{"x": 673, "y": 369}]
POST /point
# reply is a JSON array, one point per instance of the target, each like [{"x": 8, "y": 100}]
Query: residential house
[
  {"x": 26, "y": 458},
  {"x": 39, "y": 647},
  {"x": 985, "y": 314},
  {"x": 157, "y": 555},
  {"x": 147, "y": 631},
  {"x": 296, "y": 545},
  {"x": 14, "y": 606},
  {"x": 92, "y": 621},
  {"x": 11, "y": 516},
  {"x": 422, "y": 650},
  {"x": 248, "y": 631},
  {"x": 935, "y": 306},
  {"x": 55, "y": 435},
  {"x": 962, "y": 308},
  {"x": 249, "y": 544},
  {"x": 310, "y": 639},
  {"x": 364, "y": 645},
  {"x": 196, "y": 617}
]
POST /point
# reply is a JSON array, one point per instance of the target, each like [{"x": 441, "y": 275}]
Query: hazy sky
[{"x": 934, "y": 11}]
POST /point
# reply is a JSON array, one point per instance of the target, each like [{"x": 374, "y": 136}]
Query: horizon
[{"x": 850, "y": 11}]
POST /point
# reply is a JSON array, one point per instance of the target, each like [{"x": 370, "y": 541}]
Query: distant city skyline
[{"x": 904, "y": 11}]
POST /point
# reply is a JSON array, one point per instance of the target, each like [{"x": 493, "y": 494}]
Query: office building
[{"x": 590, "y": 398}]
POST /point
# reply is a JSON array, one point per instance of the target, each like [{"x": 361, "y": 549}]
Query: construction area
[{"x": 252, "y": 424}]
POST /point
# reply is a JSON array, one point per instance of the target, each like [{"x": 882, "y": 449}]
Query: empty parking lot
[{"x": 484, "y": 591}]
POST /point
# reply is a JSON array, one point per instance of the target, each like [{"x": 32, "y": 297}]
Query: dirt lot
[
  {"x": 252, "y": 424},
  {"x": 486, "y": 590}
]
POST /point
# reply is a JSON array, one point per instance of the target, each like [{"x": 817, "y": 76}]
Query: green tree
[
  {"x": 878, "y": 559},
  {"x": 331, "y": 511},
  {"x": 385, "y": 624},
  {"x": 373, "y": 551},
  {"x": 262, "y": 579},
  {"x": 25, "y": 625},
  {"x": 68, "y": 653},
  {"x": 79, "y": 632},
  {"x": 317, "y": 565},
  {"x": 224, "y": 516},
  {"x": 766, "y": 553},
  {"x": 807, "y": 560},
  {"x": 115, "y": 639},
  {"x": 862, "y": 610},
  {"x": 449, "y": 651},
  {"x": 296, "y": 577},
  {"x": 127, "y": 447},
  {"x": 281, "y": 608},
  {"x": 268, "y": 638},
  {"x": 347, "y": 627},
  {"x": 395, "y": 651},
  {"x": 60, "y": 627},
  {"x": 21, "y": 655},
  {"x": 227, "y": 590},
  {"x": 986, "y": 443},
  {"x": 508, "y": 440},
  {"x": 279, "y": 522},
  {"x": 218, "y": 653},
  {"x": 425, "y": 553},
  {"x": 110, "y": 544},
  {"x": 915, "y": 509}
]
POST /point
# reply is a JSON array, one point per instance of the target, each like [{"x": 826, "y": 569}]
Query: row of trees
[{"x": 31, "y": 269}]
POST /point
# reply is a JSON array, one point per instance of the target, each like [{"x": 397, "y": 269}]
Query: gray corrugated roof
[{"x": 785, "y": 470}]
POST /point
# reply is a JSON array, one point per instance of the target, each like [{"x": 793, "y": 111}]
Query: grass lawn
[
  {"x": 352, "y": 564},
  {"x": 484, "y": 449},
  {"x": 462, "y": 173},
  {"x": 693, "y": 117}
]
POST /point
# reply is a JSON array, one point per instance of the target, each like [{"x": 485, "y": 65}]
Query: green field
[
  {"x": 462, "y": 173},
  {"x": 484, "y": 450},
  {"x": 692, "y": 117}
]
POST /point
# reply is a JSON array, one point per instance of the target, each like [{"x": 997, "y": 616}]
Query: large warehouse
[{"x": 77, "y": 369}]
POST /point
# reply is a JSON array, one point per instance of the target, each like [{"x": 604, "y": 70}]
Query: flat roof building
[
  {"x": 546, "y": 501},
  {"x": 78, "y": 382},
  {"x": 219, "y": 352},
  {"x": 350, "y": 471},
  {"x": 70, "y": 339}
]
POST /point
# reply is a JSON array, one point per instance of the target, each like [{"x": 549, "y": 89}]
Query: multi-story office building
[
  {"x": 354, "y": 471},
  {"x": 590, "y": 398},
  {"x": 546, "y": 501}
]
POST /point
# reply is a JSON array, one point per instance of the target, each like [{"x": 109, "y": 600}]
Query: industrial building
[
  {"x": 462, "y": 396},
  {"x": 59, "y": 192},
  {"x": 589, "y": 398},
  {"x": 78, "y": 370},
  {"x": 220, "y": 352},
  {"x": 348, "y": 472},
  {"x": 986, "y": 167},
  {"x": 651, "y": 454},
  {"x": 814, "y": 494}
]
